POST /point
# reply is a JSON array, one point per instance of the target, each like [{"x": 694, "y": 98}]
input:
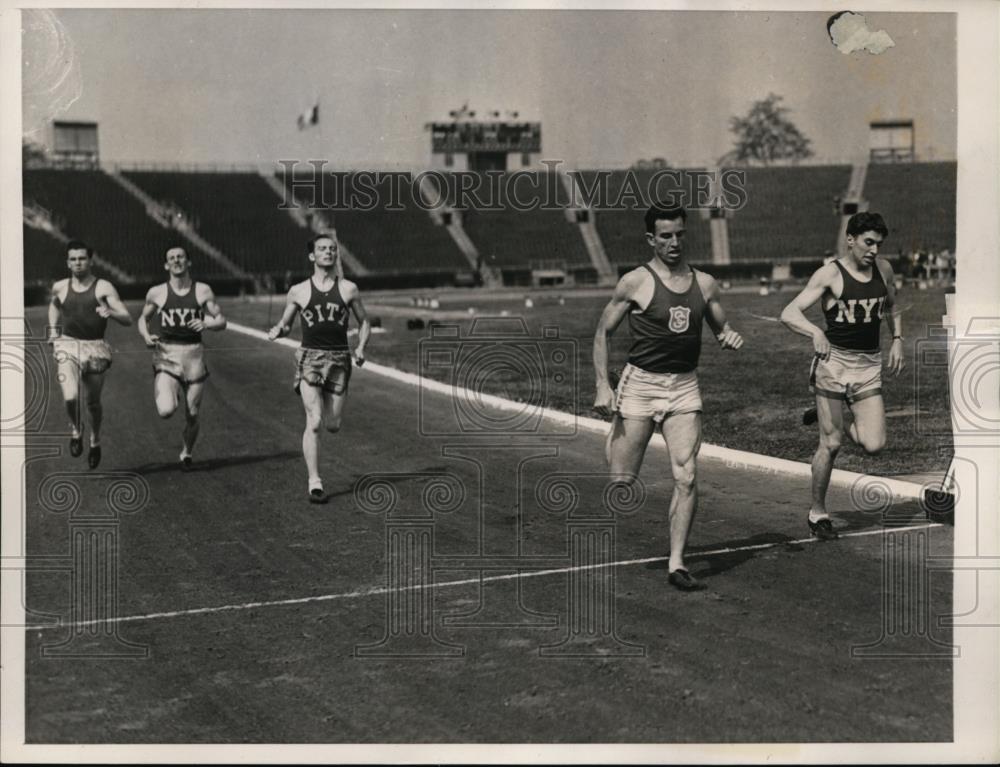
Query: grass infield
[{"x": 753, "y": 398}]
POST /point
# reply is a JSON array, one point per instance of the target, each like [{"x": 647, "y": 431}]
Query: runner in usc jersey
[{"x": 666, "y": 302}]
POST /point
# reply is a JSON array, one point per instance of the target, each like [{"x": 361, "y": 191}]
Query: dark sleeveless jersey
[
  {"x": 667, "y": 333},
  {"x": 80, "y": 319},
  {"x": 176, "y": 312},
  {"x": 325, "y": 319},
  {"x": 854, "y": 320}
]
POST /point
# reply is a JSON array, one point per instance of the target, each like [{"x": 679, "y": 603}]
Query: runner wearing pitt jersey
[
  {"x": 324, "y": 304},
  {"x": 665, "y": 301},
  {"x": 857, "y": 291}
]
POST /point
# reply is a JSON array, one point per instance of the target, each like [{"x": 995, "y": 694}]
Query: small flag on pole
[{"x": 309, "y": 117}]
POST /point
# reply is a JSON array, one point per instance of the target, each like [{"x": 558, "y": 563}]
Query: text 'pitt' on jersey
[
  {"x": 854, "y": 321},
  {"x": 325, "y": 319}
]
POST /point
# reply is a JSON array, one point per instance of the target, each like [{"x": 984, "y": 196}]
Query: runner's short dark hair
[
  {"x": 860, "y": 223},
  {"x": 311, "y": 245},
  {"x": 77, "y": 245},
  {"x": 660, "y": 211},
  {"x": 175, "y": 246}
]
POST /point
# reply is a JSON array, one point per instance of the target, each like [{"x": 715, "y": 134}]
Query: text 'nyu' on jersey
[
  {"x": 175, "y": 314},
  {"x": 325, "y": 319},
  {"x": 854, "y": 321}
]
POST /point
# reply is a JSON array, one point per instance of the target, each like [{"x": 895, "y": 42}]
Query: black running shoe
[
  {"x": 683, "y": 580},
  {"x": 823, "y": 530},
  {"x": 186, "y": 463},
  {"x": 76, "y": 446},
  {"x": 810, "y": 416},
  {"x": 94, "y": 456},
  {"x": 316, "y": 495}
]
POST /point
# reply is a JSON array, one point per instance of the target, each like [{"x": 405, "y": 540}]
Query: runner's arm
[
  {"x": 364, "y": 327},
  {"x": 54, "y": 328},
  {"x": 284, "y": 326},
  {"x": 793, "y": 316},
  {"x": 716, "y": 316},
  {"x": 611, "y": 318},
  {"x": 111, "y": 306},
  {"x": 147, "y": 311},
  {"x": 213, "y": 317},
  {"x": 893, "y": 321}
]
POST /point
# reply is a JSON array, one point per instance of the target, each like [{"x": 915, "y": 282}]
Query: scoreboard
[{"x": 473, "y": 137}]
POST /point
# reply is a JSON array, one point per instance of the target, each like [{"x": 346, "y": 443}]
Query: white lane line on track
[
  {"x": 863, "y": 485},
  {"x": 379, "y": 590}
]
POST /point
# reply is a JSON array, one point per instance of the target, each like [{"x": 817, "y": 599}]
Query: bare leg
[
  {"x": 627, "y": 445},
  {"x": 93, "y": 384},
  {"x": 167, "y": 392},
  {"x": 682, "y": 433},
  {"x": 68, "y": 375},
  {"x": 868, "y": 429},
  {"x": 192, "y": 422},
  {"x": 312, "y": 401},
  {"x": 831, "y": 424}
]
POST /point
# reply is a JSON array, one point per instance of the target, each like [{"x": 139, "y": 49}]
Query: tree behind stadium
[{"x": 765, "y": 135}]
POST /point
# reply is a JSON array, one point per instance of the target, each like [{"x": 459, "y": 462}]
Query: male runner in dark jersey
[
  {"x": 665, "y": 301},
  {"x": 856, "y": 291},
  {"x": 184, "y": 308},
  {"x": 78, "y": 316},
  {"x": 323, "y": 363}
]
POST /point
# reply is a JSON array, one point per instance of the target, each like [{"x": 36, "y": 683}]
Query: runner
[
  {"x": 665, "y": 301},
  {"x": 184, "y": 308},
  {"x": 79, "y": 310},
  {"x": 856, "y": 291},
  {"x": 323, "y": 363}
]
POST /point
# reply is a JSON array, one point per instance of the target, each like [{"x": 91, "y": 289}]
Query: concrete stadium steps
[
  {"x": 512, "y": 237},
  {"x": 404, "y": 240},
  {"x": 917, "y": 201},
  {"x": 237, "y": 212},
  {"x": 90, "y": 206},
  {"x": 789, "y": 214},
  {"x": 619, "y": 213}
]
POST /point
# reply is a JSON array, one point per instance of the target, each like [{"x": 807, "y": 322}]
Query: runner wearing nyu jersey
[
  {"x": 183, "y": 309},
  {"x": 324, "y": 304},
  {"x": 857, "y": 291},
  {"x": 665, "y": 301}
]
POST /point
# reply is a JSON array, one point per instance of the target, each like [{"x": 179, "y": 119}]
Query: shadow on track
[{"x": 212, "y": 464}]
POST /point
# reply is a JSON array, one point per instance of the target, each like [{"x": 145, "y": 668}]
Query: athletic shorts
[
  {"x": 642, "y": 394},
  {"x": 185, "y": 362},
  {"x": 327, "y": 368},
  {"x": 848, "y": 375},
  {"x": 88, "y": 356}
]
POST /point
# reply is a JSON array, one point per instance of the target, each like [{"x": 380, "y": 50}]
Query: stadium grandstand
[
  {"x": 90, "y": 205},
  {"x": 621, "y": 229},
  {"x": 918, "y": 202},
  {"x": 789, "y": 214},
  {"x": 238, "y": 212},
  {"x": 243, "y": 235},
  {"x": 396, "y": 236},
  {"x": 519, "y": 229}
]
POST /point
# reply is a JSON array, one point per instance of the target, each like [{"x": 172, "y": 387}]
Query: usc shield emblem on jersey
[{"x": 680, "y": 318}]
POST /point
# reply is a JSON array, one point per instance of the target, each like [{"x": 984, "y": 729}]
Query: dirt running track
[{"x": 763, "y": 654}]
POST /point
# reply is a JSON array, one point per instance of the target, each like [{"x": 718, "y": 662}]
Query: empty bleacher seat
[
  {"x": 789, "y": 213},
  {"x": 917, "y": 201}
]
